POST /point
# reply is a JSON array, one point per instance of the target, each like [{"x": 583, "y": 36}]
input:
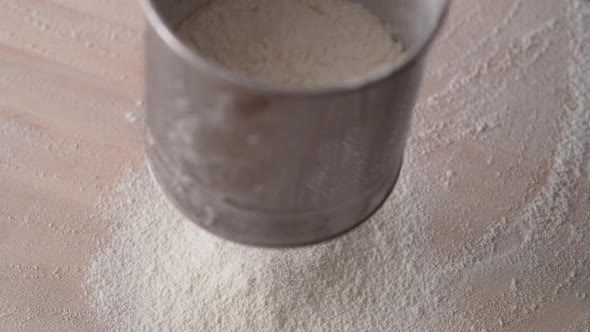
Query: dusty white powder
[
  {"x": 302, "y": 43},
  {"x": 528, "y": 269}
]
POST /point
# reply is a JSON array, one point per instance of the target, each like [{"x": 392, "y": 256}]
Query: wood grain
[{"x": 69, "y": 73}]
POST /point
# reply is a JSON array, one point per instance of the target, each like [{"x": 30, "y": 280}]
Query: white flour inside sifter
[{"x": 304, "y": 43}]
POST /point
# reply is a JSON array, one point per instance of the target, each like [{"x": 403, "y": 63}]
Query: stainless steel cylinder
[{"x": 272, "y": 166}]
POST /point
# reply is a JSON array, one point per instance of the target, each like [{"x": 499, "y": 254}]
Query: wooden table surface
[{"x": 71, "y": 82}]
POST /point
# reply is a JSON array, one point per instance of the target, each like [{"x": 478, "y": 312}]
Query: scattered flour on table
[
  {"x": 303, "y": 43},
  {"x": 520, "y": 273}
]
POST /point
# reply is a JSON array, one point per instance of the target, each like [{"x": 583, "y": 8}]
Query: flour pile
[
  {"x": 412, "y": 267},
  {"x": 303, "y": 43}
]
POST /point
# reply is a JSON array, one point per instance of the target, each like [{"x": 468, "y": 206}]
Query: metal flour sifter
[{"x": 272, "y": 166}]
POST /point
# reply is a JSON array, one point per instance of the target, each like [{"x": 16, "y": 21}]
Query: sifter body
[{"x": 278, "y": 167}]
